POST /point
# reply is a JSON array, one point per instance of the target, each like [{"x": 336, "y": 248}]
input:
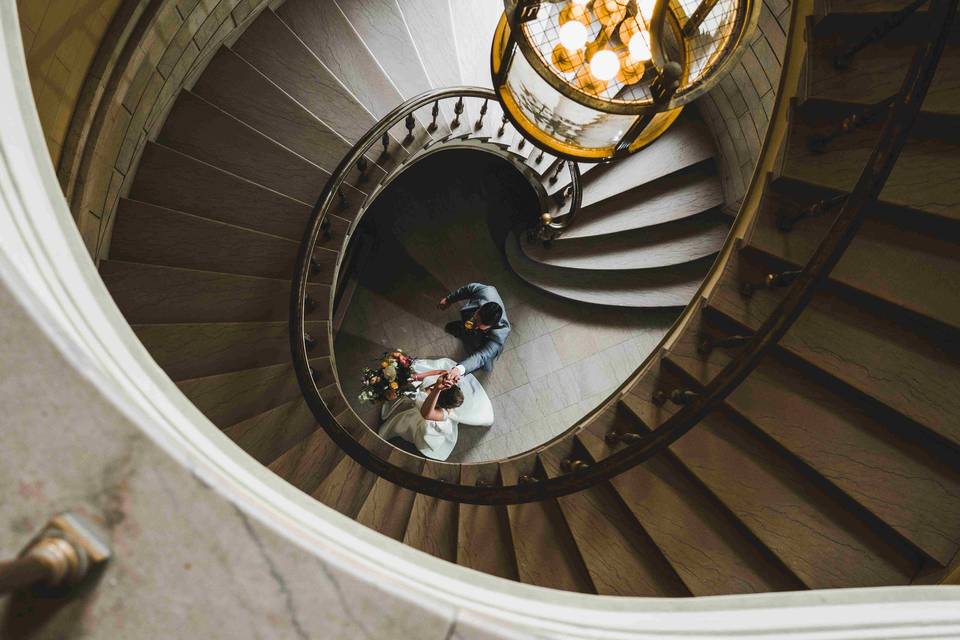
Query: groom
[{"x": 483, "y": 326}]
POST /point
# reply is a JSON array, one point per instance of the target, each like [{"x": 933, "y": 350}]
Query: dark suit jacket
[{"x": 491, "y": 345}]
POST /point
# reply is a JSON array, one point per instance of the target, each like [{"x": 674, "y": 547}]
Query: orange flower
[
  {"x": 394, "y": 385},
  {"x": 384, "y": 364}
]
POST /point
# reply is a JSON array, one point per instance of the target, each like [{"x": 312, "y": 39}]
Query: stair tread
[
  {"x": 383, "y": 31},
  {"x": 813, "y": 535},
  {"x": 279, "y": 54},
  {"x": 228, "y": 398},
  {"x": 923, "y": 177},
  {"x": 325, "y": 30},
  {"x": 156, "y": 235},
  {"x": 174, "y": 180},
  {"x": 274, "y": 432},
  {"x": 431, "y": 27},
  {"x": 911, "y": 253},
  {"x": 915, "y": 493},
  {"x": 308, "y": 463},
  {"x": 660, "y": 246},
  {"x": 664, "y": 287},
  {"x": 620, "y": 558},
  {"x": 235, "y": 86},
  {"x": 702, "y": 542},
  {"x": 546, "y": 554},
  {"x": 877, "y": 71},
  {"x": 433, "y": 522},
  {"x": 151, "y": 294},
  {"x": 686, "y": 143},
  {"x": 474, "y": 24},
  {"x": 346, "y": 487},
  {"x": 484, "y": 542},
  {"x": 672, "y": 197},
  {"x": 199, "y": 129},
  {"x": 884, "y": 360},
  {"x": 194, "y": 350},
  {"x": 388, "y": 506}
]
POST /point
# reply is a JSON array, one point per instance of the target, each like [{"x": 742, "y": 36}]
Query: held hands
[
  {"x": 443, "y": 382},
  {"x": 453, "y": 375},
  {"x": 443, "y": 304}
]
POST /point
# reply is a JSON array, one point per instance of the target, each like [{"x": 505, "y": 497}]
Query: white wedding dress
[{"x": 436, "y": 438}]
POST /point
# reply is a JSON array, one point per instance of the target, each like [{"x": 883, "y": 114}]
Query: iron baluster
[
  {"x": 483, "y": 112},
  {"x": 457, "y": 109},
  {"x": 434, "y": 113},
  {"x": 786, "y": 222}
]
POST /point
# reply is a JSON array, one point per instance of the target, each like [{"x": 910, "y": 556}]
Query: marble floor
[{"x": 443, "y": 225}]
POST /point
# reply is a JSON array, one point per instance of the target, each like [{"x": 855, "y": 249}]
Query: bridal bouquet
[{"x": 393, "y": 377}]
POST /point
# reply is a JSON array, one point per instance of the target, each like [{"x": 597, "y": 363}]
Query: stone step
[
  {"x": 667, "y": 244},
  {"x": 197, "y": 349},
  {"x": 664, "y": 287},
  {"x": 820, "y": 541},
  {"x": 708, "y": 548},
  {"x": 909, "y": 372},
  {"x": 685, "y": 193},
  {"x": 903, "y": 484},
  {"x": 920, "y": 270},
  {"x": 618, "y": 554},
  {"x": 282, "y": 430},
  {"x": 152, "y": 294}
]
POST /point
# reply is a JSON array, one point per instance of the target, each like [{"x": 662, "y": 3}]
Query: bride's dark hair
[{"x": 450, "y": 398}]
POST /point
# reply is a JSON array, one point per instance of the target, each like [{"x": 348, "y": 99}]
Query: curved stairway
[{"x": 834, "y": 465}]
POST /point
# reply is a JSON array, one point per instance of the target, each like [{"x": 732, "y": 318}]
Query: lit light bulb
[
  {"x": 576, "y": 12},
  {"x": 639, "y": 49},
  {"x": 609, "y": 12},
  {"x": 580, "y": 2},
  {"x": 604, "y": 64},
  {"x": 646, "y": 8},
  {"x": 573, "y": 35}
]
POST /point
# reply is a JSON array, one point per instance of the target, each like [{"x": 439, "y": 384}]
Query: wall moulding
[{"x": 151, "y": 50}]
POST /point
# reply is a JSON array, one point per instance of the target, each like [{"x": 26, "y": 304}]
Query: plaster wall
[{"x": 738, "y": 109}]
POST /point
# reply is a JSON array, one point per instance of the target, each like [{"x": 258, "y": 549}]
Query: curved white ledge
[{"x": 91, "y": 422}]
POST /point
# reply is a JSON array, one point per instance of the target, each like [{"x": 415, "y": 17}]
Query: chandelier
[{"x": 592, "y": 80}]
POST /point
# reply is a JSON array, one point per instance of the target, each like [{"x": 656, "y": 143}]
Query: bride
[{"x": 431, "y": 421}]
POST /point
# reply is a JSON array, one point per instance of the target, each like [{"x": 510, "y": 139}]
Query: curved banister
[{"x": 904, "y": 111}]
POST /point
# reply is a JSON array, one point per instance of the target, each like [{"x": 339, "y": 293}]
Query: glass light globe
[
  {"x": 581, "y": 2},
  {"x": 646, "y": 8},
  {"x": 639, "y": 49},
  {"x": 604, "y": 64},
  {"x": 573, "y": 35}
]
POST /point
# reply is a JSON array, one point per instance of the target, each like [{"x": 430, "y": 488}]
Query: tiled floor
[{"x": 442, "y": 226}]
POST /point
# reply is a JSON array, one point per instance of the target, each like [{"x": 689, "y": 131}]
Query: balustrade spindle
[
  {"x": 341, "y": 200},
  {"x": 556, "y": 174},
  {"x": 385, "y": 141},
  {"x": 434, "y": 113},
  {"x": 362, "y": 168},
  {"x": 526, "y": 478},
  {"x": 457, "y": 109},
  {"x": 309, "y": 342},
  {"x": 315, "y": 375},
  {"x": 325, "y": 233},
  {"x": 410, "y": 122},
  {"x": 677, "y": 396},
  {"x": 503, "y": 126},
  {"x": 708, "y": 344},
  {"x": 613, "y": 438},
  {"x": 771, "y": 281},
  {"x": 852, "y": 122},
  {"x": 571, "y": 465},
  {"x": 483, "y": 112},
  {"x": 315, "y": 267},
  {"x": 523, "y": 143},
  {"x": 879, "y": 32},
  {"x": 786, "y": 223},
  {"x": 309, "y": 305},
  {"x": 539, "y": 157}
]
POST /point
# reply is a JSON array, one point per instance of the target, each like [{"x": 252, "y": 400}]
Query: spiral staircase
[{"x": 834, "y": 463}]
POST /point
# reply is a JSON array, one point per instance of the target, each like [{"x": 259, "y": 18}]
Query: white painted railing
[{"x": 89, "y": 421}]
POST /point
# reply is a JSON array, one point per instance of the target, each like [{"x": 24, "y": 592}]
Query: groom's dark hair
[
  {"x": 490, "y": 313},
  {"x": 450, "y": 398}
]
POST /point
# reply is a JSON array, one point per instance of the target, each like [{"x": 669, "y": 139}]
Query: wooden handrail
[{"x": 904, "y": 111}]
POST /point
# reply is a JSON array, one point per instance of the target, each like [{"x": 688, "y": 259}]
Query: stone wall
[
  {"x": 60, "y": 38},
  {"x": 738, "y": 109},
  {"x": 150, "y": 53}
]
